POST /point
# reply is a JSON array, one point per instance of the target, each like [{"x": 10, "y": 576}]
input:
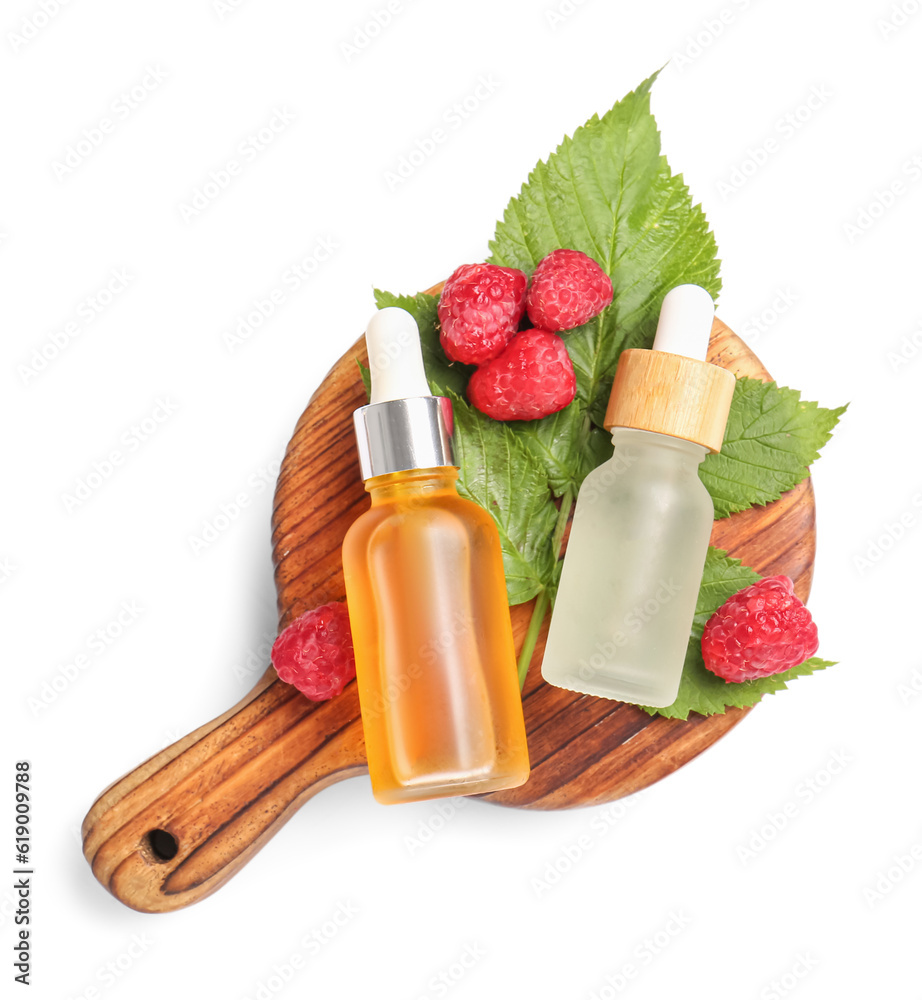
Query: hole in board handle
[{"x": 163, "y": 845}]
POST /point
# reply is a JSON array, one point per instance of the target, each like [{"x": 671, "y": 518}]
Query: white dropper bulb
[
  {"x": 685, "y": 321},
  {"x": 395, "y": 356}
]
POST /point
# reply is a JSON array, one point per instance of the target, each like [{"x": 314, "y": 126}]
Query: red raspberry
[
  {"x": 531, "y": 378},
  {"x": 761, "y": 630},
  {"x": 479, "y": 311},
  {"x": 567, "y": 289},
  {"x": 315, "y": 652}
]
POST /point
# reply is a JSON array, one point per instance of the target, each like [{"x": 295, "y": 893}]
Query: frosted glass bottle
[
  {"x": 626, "y": 601},
  {"x": 637, "y": 543}
]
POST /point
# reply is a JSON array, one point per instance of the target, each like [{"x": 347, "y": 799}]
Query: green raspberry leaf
[
  {"x": 700, "y": 690},
  {"x": 566, "y": 445},
  {"x": 608, "y": 191},
  {"x": 424, "y": 309},
  {"x": 722, "y": 578},
  {"x": 500, "y": 474},
  {"x": 365, "y": 376},
  {"x": 772, "y": 437}
]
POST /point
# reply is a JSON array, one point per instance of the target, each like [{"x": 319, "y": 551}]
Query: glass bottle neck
[
  {"x": 440, "y": 481},
  {"x": 653, "y": 446}
]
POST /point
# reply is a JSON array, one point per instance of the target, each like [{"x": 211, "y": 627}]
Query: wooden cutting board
[{"x": 181, "y": 824}]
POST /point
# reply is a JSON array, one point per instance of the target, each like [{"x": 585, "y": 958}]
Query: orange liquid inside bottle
[{"x": 435, "y": 661}]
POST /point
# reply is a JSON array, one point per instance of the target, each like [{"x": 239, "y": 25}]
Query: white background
[{"x": 795, "y": 910}]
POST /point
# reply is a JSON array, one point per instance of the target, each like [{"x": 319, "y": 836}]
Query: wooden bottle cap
[{"x": 671, "y": 394}]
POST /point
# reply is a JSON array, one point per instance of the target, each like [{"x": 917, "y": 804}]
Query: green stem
[
  {"x": 531, "y": 636},
  {"x": 543, "y": 599}
]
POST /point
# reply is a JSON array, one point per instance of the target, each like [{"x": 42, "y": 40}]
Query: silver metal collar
[{"x": 401, "y": 434}]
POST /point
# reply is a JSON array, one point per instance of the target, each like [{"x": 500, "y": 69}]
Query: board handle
[{"x": 181, "y": 824}]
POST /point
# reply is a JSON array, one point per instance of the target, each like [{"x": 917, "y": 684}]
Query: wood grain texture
[
  {"x": 218, "y": 794},
  {"x": 671, "y": 394}
]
